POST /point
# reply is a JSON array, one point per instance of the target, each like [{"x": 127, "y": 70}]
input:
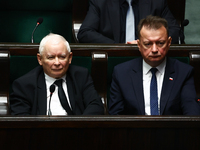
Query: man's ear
[
  {"x": 70, "y": 57},
  {"x": 39, "y": 58},
  {"x": 138, "y": 44},
  {"x": 169, "y": 40}
]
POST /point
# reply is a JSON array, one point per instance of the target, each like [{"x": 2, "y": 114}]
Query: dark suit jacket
[
  {"x": 177, "y": 95},
  {"x": 102, "y": 22},
  {"x": 29, "y": 95}
]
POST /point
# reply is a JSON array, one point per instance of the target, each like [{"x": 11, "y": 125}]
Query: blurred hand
[{"x": 132, "y": 42}]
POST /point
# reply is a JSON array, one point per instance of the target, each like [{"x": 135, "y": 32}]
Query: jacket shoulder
[
  {"x": 74, "y": 68},
  {"x": 130, "y": 64},
  {"x": 31, "y": 75},
  {"x": 179, "y": 64}
]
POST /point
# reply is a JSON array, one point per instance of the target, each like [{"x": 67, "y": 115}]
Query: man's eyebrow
[
  {"x": 161, "y": 41},
  {"x": 50, "y": 55},
  {"x": 146, "y": 41},
  {"x": 63, "y": 54}
]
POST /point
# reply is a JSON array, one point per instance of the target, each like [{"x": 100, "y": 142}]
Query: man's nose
[
  {"x": 57, "y": 62},
  {"x": 154, "y": 47}
]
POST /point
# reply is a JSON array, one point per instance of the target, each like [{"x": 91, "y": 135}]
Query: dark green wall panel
[
  {"x": 192, "y": 13},
  {"x": 18, "y": 19}
]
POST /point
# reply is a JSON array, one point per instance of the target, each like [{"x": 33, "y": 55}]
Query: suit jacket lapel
[
  {"x": 144, "y": 8},
  {"x": 168, "y": 83},
  {"x": 41, "y": 95},
  {"x": 114, "y": 13},
  {"x": 137, "y": 81},
  {"x": 70, "y": 89}
]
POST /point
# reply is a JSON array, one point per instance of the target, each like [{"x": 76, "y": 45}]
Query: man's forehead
[
  {"x": 51, "y": 52},
  {"x": 54, "y": 54},
  {"x": 153, "y": 34},
  {"x": 145, "y": 29},
  {"x": 153, "y": 39},
  {"x": 55, "y": 47}
]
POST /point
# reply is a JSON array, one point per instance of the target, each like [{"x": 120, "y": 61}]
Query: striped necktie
[{"x": 130, "y": 23}]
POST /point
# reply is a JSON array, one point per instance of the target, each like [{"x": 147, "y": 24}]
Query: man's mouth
[
  {"x": 155, "y": 56},
  {"x": 57, "y": 69}
]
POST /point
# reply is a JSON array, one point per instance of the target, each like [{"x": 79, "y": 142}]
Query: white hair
[{"x": 51, "y": 36}]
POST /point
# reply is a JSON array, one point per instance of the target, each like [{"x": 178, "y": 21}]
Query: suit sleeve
[
  {"x": 174, "y": 29},
  {"x": 188, "y": 96},
  {"x": 89, "y": 31},
  {"x": 19, "y": 103},
  {"x": 116, "y": 103},
  {"x": 92, "y": 101}
]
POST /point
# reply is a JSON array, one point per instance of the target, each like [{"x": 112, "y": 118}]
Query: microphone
[
  {"x": 185, "y": 23},
  {"x": 39, "y": 21},
  {"x": 52, "y": 89}
]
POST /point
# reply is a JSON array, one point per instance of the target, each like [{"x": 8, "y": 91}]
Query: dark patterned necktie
[
  {"x": 62, "y": 97},
  {"x": 154, "y": 93}
]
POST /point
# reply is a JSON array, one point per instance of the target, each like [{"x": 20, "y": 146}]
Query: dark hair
[{"x": 152, "y": 22}]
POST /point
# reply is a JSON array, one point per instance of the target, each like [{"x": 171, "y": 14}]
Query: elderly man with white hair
[{"x": 55, "y": 87}]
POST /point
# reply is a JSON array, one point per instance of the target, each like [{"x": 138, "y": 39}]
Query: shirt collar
[
  {"x": 52, "y": 80},
  {"x": 147, "y": 67},
  {"x": 133, "y": 1}
]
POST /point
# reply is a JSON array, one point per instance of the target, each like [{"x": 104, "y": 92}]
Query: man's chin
[
  {"x": 156, "y": 62},
  {"x": 156, "y": 59},
  {"x": 57, "y": 75}
]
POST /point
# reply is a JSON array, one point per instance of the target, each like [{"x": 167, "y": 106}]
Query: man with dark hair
[{"x": 153, "y": 84}]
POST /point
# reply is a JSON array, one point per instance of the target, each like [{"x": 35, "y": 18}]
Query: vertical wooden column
[{"x": 99, "y": 74}]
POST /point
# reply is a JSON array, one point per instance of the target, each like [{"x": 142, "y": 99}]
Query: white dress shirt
[
  {"x": 146, "y": 84},
  {"x": 55, "y": 105}
]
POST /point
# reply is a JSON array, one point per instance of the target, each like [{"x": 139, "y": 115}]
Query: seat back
[
  {"x": 4, "y": 80},
  {"x": 195, "y": 59},
  {"x": 99, "y": 74}
]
